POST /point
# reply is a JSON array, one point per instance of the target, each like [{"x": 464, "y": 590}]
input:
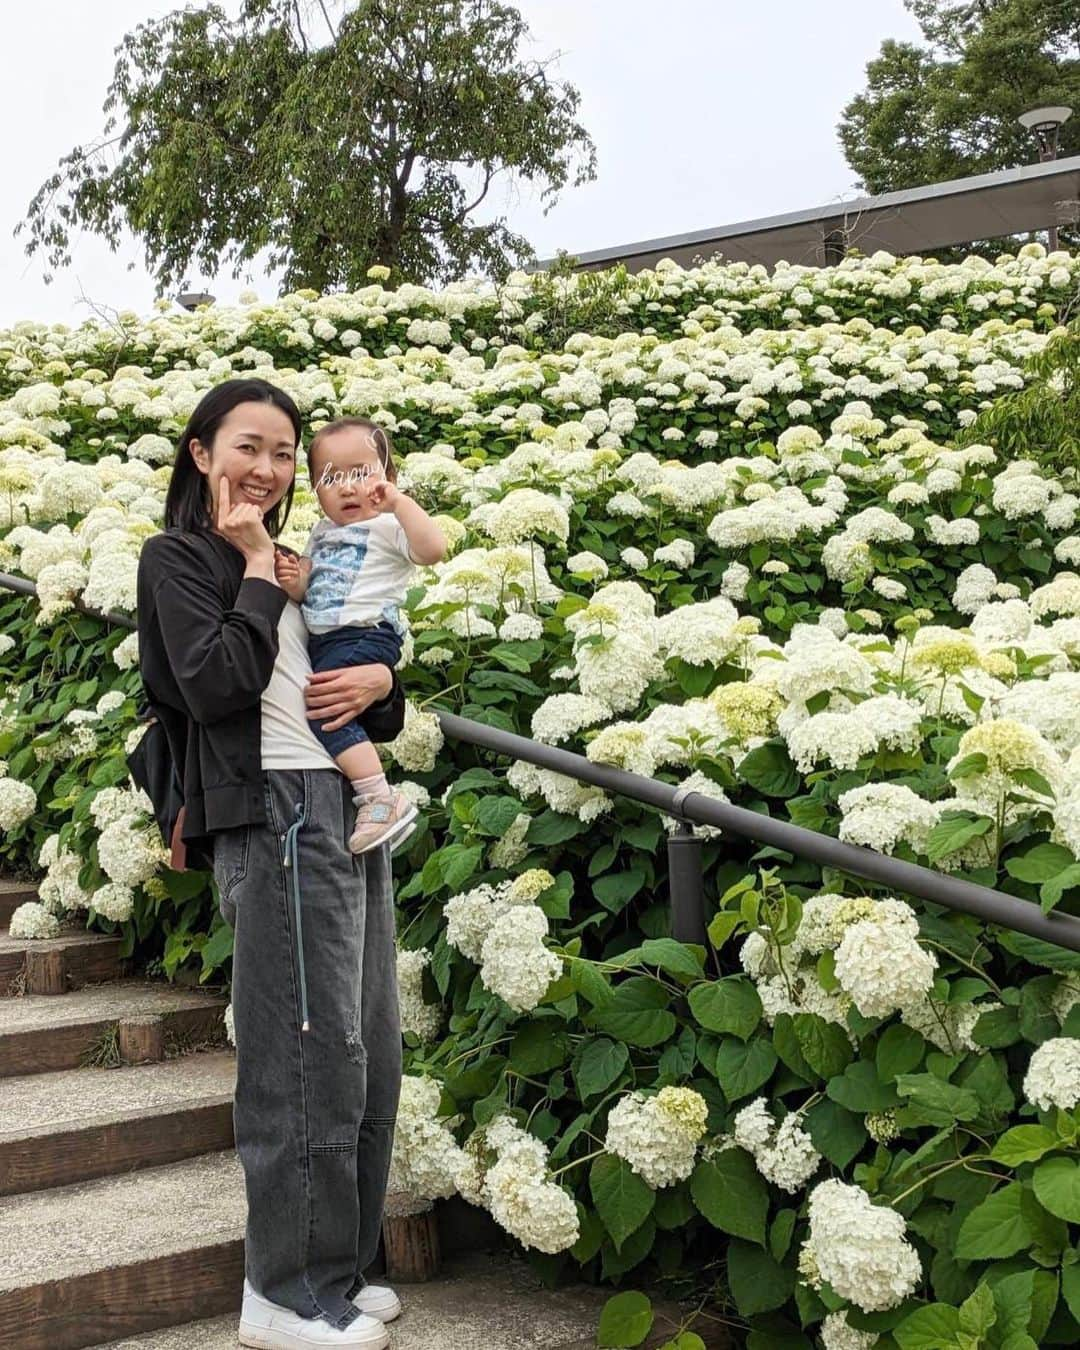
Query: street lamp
[
  {"x": 191, "y": 300},
  {"x": 1045, "y": 123}
]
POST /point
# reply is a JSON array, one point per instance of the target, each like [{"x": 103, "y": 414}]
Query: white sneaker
[
  {"x": 381, "y": 820},
  {"x": 271, "y": 1327},
  {"x": 376, "y": 1300}
]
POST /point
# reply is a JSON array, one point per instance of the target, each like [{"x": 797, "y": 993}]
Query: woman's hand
[
  {"x": 242, "y": 525},
  {"x": 344, "y": 693}
]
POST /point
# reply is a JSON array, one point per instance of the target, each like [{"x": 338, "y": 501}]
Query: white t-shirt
[
  {"x": 288, "y": 741},
  {"x": 360, "y": 574}
]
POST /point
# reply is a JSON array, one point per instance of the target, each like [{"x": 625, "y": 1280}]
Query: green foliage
[
  {"x": 228, "y": 138},
  {"x": 949, "y": 108}
]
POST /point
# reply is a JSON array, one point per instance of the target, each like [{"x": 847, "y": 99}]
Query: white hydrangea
[
  {"x": 658, "y": 1136},
  {"x": 129, "y": 852},
  {"x": 417, "y": 744},
  {"x": 534, "y": 1210},
  {"x": 422, "y": 1019},
  {"x": 860, "y": 1247},
  {"x": 1053, "y": 1075},
  {"x": 883, "y": 967},
  {"x": 836, "y": 1334},
  {"x": 515, "y": 963},
  {"x": 18, "y": 802},
  {"x": 563, "y": 715},
  {"x": 426, "y": 1159},
  {"x": 32, "y": 920},
  {"x": 114, "y": 901},
  {"x": 783, "y": 1154}
]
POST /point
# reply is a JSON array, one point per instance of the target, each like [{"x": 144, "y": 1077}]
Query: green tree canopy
[
  {"x": 225, "y": 137},
  {"x": 948, "y": 109}
]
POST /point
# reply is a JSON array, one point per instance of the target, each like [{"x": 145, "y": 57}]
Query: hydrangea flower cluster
[
  {"x": 859, "y": 1248},
  {"x": 658, "y": 1136}
]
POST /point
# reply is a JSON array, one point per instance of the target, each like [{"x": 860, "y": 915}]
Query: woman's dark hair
[
  {"x": 187, "y": 502},
  {"x": 384, "y": 447}
]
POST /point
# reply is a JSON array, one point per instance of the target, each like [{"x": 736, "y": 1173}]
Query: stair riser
[
  {"x": 62, "y": 1047},
  {"x": 82, "y": 965},
  {"x": 149, "y": 1140},
  {"x": 124, "y": 1300}
]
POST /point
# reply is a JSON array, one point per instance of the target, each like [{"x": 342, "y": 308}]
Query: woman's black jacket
[{"x": 207, "y": 646}]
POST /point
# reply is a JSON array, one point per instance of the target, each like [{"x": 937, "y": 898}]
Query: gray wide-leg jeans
[{"x": 314, "y": 1110}]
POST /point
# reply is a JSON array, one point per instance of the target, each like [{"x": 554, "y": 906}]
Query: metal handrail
[{"x": 1007, "y": 911}]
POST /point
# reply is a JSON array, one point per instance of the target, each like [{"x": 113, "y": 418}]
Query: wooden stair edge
[
  {"x": 123, "y": 1300},
  {"x": 152, "y": 1136}
]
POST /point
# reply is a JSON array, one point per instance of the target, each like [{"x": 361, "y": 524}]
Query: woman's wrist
[{"x": 261, "y": 565}]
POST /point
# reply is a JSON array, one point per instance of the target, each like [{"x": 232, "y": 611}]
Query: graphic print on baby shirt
[{"x": 340, "y": 561}]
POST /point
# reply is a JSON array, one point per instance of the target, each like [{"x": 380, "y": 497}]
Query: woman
[{"x": 223, "y": 655}]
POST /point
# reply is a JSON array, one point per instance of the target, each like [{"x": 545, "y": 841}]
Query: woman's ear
[{"x": 200, "y": 455}]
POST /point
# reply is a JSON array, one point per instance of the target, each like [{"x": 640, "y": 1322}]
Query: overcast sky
[{"x": 704, "y": 112}]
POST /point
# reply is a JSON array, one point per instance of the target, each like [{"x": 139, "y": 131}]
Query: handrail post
[{"x": 686, "y": 885}]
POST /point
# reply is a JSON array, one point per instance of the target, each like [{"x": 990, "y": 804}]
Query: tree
[
  {"x": 226, "y": 137},
  {"x": 949, "y": 109}
]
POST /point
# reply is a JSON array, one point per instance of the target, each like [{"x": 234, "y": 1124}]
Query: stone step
[
  {"x": 12, "y": 895},
  {"x": 78, "y": 1124},
  {"x": 122, "y": 1255},
  {"x": 40, "y": 1033},
  {"x": 55, "y": 965},
  {"x": 478, "y": 1302}
]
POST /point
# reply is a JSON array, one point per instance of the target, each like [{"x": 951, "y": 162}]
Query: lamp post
[{"x": 1046, "y": 123}]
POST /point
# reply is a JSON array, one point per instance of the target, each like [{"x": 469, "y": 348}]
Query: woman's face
[{"x": 255, "y": 449}]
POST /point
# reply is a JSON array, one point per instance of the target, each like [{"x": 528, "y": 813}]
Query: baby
[{"x": 355, "y": 570}]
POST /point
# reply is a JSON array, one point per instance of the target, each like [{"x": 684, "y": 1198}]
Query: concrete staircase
[{"x": 122, "y": 1203}]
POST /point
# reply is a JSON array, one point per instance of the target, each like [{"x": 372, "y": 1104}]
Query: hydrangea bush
[{"x": 749, "y": 539}]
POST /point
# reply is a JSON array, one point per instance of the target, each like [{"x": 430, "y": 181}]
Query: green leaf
[
  {"x": 617, "y": 889},
  {"x": 681, "y": 959},
  {"x": 622, "y": 1198},
  {"x": 824, "y": 1045},
  {"x": 937, "y": 1102},
  {"x": 552, "y": 827},
  {"x": 770, "y": 770},
  {"x": 996, "y": 1228},
  {"x": 859, "y": 1089},
  {"x": 626, "y": 1320},
  {"x": 591, "y": 983},
  {"x": 931, "y": 1328},
  {"x": 1057, "y": 1188},
  {"x": 721, "y": 927},
  {"x": 953, "y": 831},
  {"x": 742, "y": 1069},
  {"x": 729, "y": 1006},
  {"x": 1012, "y": 1299},
  {"x": 758, "y": 1283},
  {"x": 637, "y": 1013},
  {"x": 1050, "y": 892},
  {"x": 978, "y": 1313},
  {"x": 495, "y": 815},
  {"x": 1038, "y": 1021},
  {"x": 1040, "y": 863},
  {"x": 458, "y": 869},
  {"x": 539, "y": 1047},
  {"x": 1024, "y": 1143},
  {"x": 997, "y": 1028},
  {"x": 730, "y": 1192},
  {"x": 1070, "y": 1288},
  {"x": 898, "y": 1051},
  {"x": 598, "y": 1064},
  {"x": 836, "y": 1133}
]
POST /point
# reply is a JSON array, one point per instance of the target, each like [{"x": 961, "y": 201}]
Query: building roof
[{"x": 915, "y": 220}]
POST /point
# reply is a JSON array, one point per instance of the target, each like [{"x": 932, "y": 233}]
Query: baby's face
[{"x": 345, "y": 464}]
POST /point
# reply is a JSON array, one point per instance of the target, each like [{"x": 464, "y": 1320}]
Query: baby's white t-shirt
[{"x": 359, "y": 575}]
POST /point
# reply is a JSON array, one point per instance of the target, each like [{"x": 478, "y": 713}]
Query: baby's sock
[{"x": 375, "y": 786}]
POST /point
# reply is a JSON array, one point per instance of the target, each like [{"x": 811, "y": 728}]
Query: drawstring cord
[{"x": 291, "y": 859}]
